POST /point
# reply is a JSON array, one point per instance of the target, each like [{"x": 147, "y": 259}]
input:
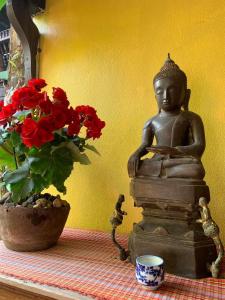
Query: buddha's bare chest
[{"x": 171, "y": 131}]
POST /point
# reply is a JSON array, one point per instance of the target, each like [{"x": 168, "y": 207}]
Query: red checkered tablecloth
[{"x": 85, "y": 262}]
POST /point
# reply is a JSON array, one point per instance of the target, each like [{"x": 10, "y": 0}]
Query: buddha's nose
[{"x": 165, "y": 96}]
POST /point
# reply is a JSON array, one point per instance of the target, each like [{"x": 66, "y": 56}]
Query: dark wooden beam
[
  {"x": 19, "y": 15},
  {"x": 37, "y": 6}
]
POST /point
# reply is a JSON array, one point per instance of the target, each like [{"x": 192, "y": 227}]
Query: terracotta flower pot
[{"x": 31, "y": 229}]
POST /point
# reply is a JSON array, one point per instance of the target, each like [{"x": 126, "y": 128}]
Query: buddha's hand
[
  {"x": 133, "y": 164},
  {"x": 164, "y": 150}
]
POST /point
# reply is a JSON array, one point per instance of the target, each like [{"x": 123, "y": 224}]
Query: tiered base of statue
[{"x": 169, "y": 227}]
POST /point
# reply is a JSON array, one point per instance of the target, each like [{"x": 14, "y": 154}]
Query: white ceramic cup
[{"x": 150, "y": 271}]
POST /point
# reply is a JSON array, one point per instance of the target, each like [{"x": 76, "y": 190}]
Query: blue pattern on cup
[{"x": 150, "y": 271}]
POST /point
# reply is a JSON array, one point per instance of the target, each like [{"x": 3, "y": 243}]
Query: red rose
[
  {"x": 86, "y": 109},
  {"x": 33, "y": 134},
  {"x": 85, "y": 112},
  {"x": 88, "y": 117},
  {"x": 74, "y": 122},
  {"x": 73, "y": 128},
  {"x": 94, "y": 133},
  {"x": 37, "y": 83},
  {"x": 46, "y": 123},
  {"x": 71, "y": 115},
  {"x": 60, "y": 97},
  {"x": 94, "y": 128},
  {"x": 45, "y": 104},
  {"x": 26, "y": 98},
  {"x": 59, "y": 116},
  {"x": 6, "y": 113}
]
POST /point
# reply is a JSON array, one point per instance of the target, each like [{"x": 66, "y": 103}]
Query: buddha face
[{"x": 170, "y": 93}]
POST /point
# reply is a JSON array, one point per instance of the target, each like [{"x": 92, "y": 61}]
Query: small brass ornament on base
[
  {"x": 211, "y": 230},
  {"x": 116, "y": 220}
]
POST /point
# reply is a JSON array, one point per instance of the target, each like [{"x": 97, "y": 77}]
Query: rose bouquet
[{"x": 45, "y": 137}]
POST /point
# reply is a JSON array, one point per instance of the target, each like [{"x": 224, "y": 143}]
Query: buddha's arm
[
  {"x": 147, "y": 140},
  {"x": 198, "y": 135}
]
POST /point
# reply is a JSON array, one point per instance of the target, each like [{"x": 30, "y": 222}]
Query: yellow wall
[{"x": 105, "y": 53}]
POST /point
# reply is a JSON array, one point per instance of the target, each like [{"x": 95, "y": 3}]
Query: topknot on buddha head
[{"x": 170, "y": 69}]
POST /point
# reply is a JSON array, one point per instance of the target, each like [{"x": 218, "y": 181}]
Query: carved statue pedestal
[{"x": 169, "y": 228}]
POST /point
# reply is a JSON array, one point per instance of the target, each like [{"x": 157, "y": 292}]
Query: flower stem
[{"x": 15, "y": 160}]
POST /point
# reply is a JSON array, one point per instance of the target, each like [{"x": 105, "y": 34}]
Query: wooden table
[{"x": 12, "y": 288}]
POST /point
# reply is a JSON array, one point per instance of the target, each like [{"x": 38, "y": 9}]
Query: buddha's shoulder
[
  {"x": 191, "y": 116},
  {"x": 151, "y": 121}
]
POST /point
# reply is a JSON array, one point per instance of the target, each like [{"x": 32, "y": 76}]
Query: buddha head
[{"x": 170, "y": 86}]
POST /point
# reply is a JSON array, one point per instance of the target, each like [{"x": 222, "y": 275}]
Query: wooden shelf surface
[{"x": 12, "y": 288}]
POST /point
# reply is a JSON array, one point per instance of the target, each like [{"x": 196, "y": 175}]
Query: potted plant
[{"x": 45, "y": 138}]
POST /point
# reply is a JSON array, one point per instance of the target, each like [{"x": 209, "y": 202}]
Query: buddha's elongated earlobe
[{"x": 186, "y": 99}]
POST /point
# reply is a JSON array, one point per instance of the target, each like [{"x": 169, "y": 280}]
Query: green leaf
[
  {"x": 6, "y": 159},
  {"x": 77, "y": 155},
  {"x": 2, "y": 3},
  {"x": 83, "y": 159},
  {"x": 92, "y": 148},
  {"x": 21, "y": 189},
  {"x": 17, "y": 175},
  {"x": 15, "y": 139},
  {"x": 39, "y": 164},
  {"x": 55, "y": 166},
  {"x": 40, "y": 183},
  {"x": 62, "y": 166},
  {"x": 33, "y": 151}
]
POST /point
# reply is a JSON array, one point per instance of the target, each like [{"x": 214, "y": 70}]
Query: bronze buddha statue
[
  {"x": 168, "y": 185},
  {"x": 179, "y": 133}
]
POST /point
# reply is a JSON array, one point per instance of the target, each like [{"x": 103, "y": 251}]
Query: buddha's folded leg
[
  {"x": 170, "y": 162},
  {"x": 150, "y": 167},
  {"x": 192, "y": 171},
  {"x": 190, "y": 168}
]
